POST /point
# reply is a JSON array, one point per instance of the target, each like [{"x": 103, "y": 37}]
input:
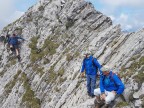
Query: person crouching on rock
[
  {"x": 91, "y": 66},
  {"x": 110, "y": 86}
]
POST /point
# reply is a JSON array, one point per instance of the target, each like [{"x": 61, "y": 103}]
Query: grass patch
[
  {"x": 2, "y": 73},
  {"x": 121, "y": 104},
  {"x": 69, "y": 57},
  {"x": 78, "y": 84},
  {"x": 61, "y": 72},
  {"x": 134, "y": 67},
  {"x": 51, "y": 75},
  {"x": 69, "y": 23},
  {"x": 137, "y": 65},
  {"x": 41, "y": 8},
  {"x": 12, "y": 62},
  {"x": 61, "y": 80},
  {"x": 46, "y": 61},
  {"x": 29, "y": 97},
  {"x": 56, "y": 89},
  {"x": 33, "y": 43},
  {"x": 76, "y": 54},
  {"x": 139, "y": 78},
  {"x": 38, "y": 69},
  {"x": 11, "y": 84},
  {"x": 49, "y": 47},
  {"x": 134, "y": 57}
]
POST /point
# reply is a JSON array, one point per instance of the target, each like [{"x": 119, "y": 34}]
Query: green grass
[
  {"x": 33, "y": 43},
  {"x": 52, "y": 75},
  {"x": 61, "y": 80},
  {"x": 41, "y": 8},
  {"x": 134, "y": 57},
  {"x": 29, "y": 97},
  {"x": 69, "y": 24},
  {"x": 56, "y": 89},
  {"x": 46, "y": 61},
  {"x": 38, "y": 69},
  {"x": 69, "y": 57},
  {"x": 61, "y": 72},
  {"x": 2, "y": 73},
  {"x": 49, "y": 47},
  {"x": 138, "y": 64},
  {"x": 11, "y": 84},
  {"x": 121, "y": 104},
  {"x": 134, "y": 67},
  {"x": 139, "y": 78},
  {"x": 76, "y": 54},
  {"x": 13, "y": 62}
]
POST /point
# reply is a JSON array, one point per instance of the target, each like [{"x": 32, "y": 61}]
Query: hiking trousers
[
  {"x": 109, "y": 95},
  {"x": 91, "y": 84}
]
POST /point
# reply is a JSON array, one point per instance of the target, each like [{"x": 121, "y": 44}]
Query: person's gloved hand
[
  {"x": 82, "y": 74},
  {"x": 102, "y": 96},
  {"x": 114, "y": 92}
]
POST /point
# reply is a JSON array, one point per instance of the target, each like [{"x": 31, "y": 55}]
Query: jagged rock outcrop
[{"x": 57, "y": 32}]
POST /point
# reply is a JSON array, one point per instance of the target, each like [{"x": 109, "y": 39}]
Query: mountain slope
[{"x": 57, "y": 32}]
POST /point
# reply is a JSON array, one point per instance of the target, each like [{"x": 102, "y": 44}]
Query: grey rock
[{"x": 75, "y": 26}]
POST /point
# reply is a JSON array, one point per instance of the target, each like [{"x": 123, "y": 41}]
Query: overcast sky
[
  {"x": 10, "y": 10},
  {"x": 128, "y": 13}
]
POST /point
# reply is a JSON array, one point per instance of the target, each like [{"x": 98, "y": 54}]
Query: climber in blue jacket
[
  {"x": 14, "y": 44},
  {"x": 91, "y": 66},
  {"x": 110, "y": 86}
]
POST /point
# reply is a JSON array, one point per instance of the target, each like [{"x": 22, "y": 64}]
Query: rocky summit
[{"x": 56, "y": 34}]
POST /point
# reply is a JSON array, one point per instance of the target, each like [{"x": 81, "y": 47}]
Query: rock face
[{"x": 57, "y": 32}]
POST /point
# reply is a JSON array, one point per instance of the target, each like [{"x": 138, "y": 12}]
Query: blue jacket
[
  {"x": 14, "y": 40},
  {"x": 112, "y": 83},
  {"x": 90, "y": 65}
]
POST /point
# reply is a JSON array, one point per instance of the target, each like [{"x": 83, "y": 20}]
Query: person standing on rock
[
  {"x": 110, "y": 86},
  {"x": 14, "y": 45},
  {"x": 91, "y": 66}
]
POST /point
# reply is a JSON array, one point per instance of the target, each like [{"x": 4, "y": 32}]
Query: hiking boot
[
  {"x": 12, "y": 49},
  {"x": 106, "y": 106},
  {"x": 88, "y": 93},
  {"x": 19, "y": 58},
  {"x": 92, "y": 96},
  {"x": 97, "y": 104}
]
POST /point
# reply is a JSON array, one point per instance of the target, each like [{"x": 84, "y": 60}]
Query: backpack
[
  {"x": 94, "y": 64},
  {"x": 111, "y": 76}
]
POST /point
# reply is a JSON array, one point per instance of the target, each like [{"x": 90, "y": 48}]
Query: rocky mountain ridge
[{"x": 57, "y": 32}]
